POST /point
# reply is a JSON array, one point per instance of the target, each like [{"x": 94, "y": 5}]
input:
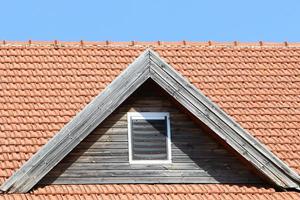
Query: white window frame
[{"x": 149, "y": 116}]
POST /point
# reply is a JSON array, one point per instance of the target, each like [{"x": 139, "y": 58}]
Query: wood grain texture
[{"x": 102, "y": 157}]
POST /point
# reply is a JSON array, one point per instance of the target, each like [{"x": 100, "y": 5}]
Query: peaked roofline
[{"x": 150, "y": 65}]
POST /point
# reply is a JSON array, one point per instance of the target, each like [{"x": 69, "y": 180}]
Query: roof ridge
[{"x": 158, "y": 43}]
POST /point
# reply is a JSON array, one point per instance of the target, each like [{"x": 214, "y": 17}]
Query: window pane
[{"x": 149, "y": 139}]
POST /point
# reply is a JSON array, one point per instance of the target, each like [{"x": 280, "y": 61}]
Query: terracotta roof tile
[
  {"x": 44, "y": 84},
  {"x": 142, "y": 191}
]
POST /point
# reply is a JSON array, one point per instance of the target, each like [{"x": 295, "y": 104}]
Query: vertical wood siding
[{"x": 103, "y": 156}]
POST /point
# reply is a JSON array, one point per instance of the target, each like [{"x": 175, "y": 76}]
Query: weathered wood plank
[
  {"x": 175, "y": 159},
  {"x": 149, "y": 180},
  {"x": 124, "y": 151},
  {"x": 145, "y": 173},
  {"x": 191, "y": 130},
  {"x": 127, "y": 166}
]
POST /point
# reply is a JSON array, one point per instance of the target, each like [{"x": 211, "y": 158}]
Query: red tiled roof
[
  {"x": 141, "y": 191},
  {"x": 43, "y": 85}
]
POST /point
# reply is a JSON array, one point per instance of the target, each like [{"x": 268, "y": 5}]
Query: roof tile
[
  {"x": 191, "y": 191},
  {"x": 43, "y": 85}
]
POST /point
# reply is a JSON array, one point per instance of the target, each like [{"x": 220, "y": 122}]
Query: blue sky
[{"x": 192, "y": 20}]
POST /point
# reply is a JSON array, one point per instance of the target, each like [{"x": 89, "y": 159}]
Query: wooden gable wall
[{"x": 102, "y": 157}]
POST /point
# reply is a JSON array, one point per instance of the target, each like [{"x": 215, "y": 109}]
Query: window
[{"x": 149, "y": 138}]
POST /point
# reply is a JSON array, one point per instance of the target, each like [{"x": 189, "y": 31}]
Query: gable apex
[{"x": 150, "y": 65}]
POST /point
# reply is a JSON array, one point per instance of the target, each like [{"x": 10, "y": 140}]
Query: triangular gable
[
  {"x": 197, "y": 156},
  {"x": 150, "y": 65}
]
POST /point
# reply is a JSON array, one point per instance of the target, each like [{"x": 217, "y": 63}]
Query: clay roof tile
[{"x": 44, "y": 84}]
